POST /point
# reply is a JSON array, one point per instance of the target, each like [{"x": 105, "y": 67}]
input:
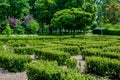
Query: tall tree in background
[
  {"x": 60, "y": 4},
  {"x": 90, "y": 6},
  {"x": 44, "y": 11},
  {"x": 71, "y": 19},
  {"x": 74, "y": 3},
  {"x": 4, "y": 5},
  {"x": 31, "y": 4},
  {"x": 18, "y": 8},
  {"x": 102, "y": 5},
  {"x": 113, "y": 13}
]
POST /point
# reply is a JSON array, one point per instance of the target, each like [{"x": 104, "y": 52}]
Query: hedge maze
[{"x": 52, "y": 57}]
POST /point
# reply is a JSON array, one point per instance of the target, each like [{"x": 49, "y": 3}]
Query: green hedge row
[
  {"x": 16, "y": 43},
  {"x": 1, "y": 45},
  {"x": 23, "y": 50},
  {"x": 13, "y": 62},
  {"x": 71, "y": 63},
  {"x": 93, "y": 45},
  {"x": 27, "y": 37},
  {"x": 44, "y": 70},
  {"x": 112, "y": 49},
  {"x": 103, "y": 66},
  {"x": 107, "y": 32},
  {"x": 49, "y": 54},
  {"x": 73, "y": 50},
  {"x": 99, "y": 52}
]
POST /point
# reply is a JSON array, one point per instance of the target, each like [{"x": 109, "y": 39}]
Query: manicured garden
[{"x": 51, "y": 57}]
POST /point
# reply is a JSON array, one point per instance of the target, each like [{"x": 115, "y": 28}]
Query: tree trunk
[
  {"x": 73, "y": 33},
  {"x": 50, "y": 30},
  {"x": 60, "y": 31}
]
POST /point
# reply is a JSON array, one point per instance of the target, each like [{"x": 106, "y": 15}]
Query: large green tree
[
  {"x": 32, "y": 27},
  {"x": 18, "y": 8},
  {"x": 113, "y": 13},
  {"x": 4, "y": 5},
  {"x": 31, "y": 4},
  {"x": 91, "y": 7},
  {"x": 60, "y": 4},
  {"x": 44, "y": 10},
  {"x": 102, "y": 5},
  {"x": 71, "y": 19},
  {"x": 74, "y": 3}
]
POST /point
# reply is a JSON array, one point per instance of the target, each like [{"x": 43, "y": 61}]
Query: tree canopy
[
  {"x": 44, "y": 12},
  {"x": 71, "y": 19}
]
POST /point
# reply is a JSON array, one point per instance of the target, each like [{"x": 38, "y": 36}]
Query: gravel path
[
  {"x": 5, "y": 75},
  {"x": 80, "y": 63}
]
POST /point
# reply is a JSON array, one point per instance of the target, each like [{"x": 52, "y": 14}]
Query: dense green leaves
[
  {"x": 44, "y": 10},
  {"x": 54, "y": 48},
  {"x": 18, "y": 8},
  {"x": 71, "y": 19},
  {"x": 7, "y": 31},
  {"x": 4, "y": 5},
  {"x": 19, "y": 29},
  {"x": 49, "y": 54},
  {"x": 32, "y": 27},
  {"x": 46, "y": 70},
  {"x": 113, "y": 13},
  {"x": 104, "y": 66},
  {"x": 13, "y": 62}
]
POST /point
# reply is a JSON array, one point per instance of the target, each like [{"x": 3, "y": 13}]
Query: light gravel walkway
[
  {"x": 80, "y": 63},
  {"x": 5, "y": 75}
]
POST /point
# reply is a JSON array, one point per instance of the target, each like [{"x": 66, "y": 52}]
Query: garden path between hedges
[
  {"x": 5, "y": 75},
  {"x": 80, "y": 63}
]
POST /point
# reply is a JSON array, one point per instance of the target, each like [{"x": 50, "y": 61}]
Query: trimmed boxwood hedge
[
  {"x": 103, "y": 66},
  {"x": 13, "y": 62},
  {"x": 71, "y": 63},
  {"x": 45, "y": 70},
  {"x": 16, "y": 43},
  {"x": 99, "y": 52},
  {"x": 24, "y": 50},
  {"x": 73, "y": 50},
  {"x": 112, "y": 49},
  {"x": 49, "y": 54},
  {"x": 107, "y": 32}
]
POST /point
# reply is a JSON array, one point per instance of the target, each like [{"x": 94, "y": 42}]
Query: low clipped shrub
[
  {"x": 71, "y": 63},
  {"x": 7, "y": 31},
  {"x": 98, "y": 52},
  {"x": 49, "y": 54},
  {"x": 32, "y": 27},
  {"x": 73, "y": 50},
  {"x": 93, "y": 45},
  {"x": 103, "y": 66},
  {"x": 19, "y": 30},
  {"x": 18, "y": 43},
  {"x": 13, "y": 62},
  {"x": 90, "y": 52},
  {"x": 24, "y": 50},
  {"x": 107, "y": 32},
  {"x": 112, "y": 49},
  {"x": 1, "y": 45},
  {"x": 45, "y": 70}
]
